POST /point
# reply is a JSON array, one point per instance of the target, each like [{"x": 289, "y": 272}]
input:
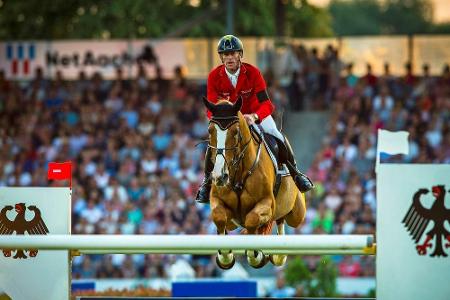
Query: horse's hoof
[
  {"x": 257, "y": 261},
  {"x": 227, "y": 266},
  {"x": 263, "y": 262},
  {"x": 277, "y": 260}
]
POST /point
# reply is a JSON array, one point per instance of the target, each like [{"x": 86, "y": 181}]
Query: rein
[{"x": 238, "y": 159}]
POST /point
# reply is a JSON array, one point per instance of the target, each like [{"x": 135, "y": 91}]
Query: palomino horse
[{"x": 243, "y": 182}]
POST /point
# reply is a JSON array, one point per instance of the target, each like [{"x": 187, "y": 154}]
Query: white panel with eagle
[
  {"x": 413, "y": 231},
  {"x": 31, "y": 273}
]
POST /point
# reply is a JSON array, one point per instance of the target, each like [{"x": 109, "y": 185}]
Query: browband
[{"x": 224, "y": 122}]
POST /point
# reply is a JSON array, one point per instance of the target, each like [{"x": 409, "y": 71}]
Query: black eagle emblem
[
  {"x": 20, "y": 225},
  {"x": 418, "y": 217}
]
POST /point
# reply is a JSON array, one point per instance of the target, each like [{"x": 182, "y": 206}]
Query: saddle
[{"x": 274, "y": 147}]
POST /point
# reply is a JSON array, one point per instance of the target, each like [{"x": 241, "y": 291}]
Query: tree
[
  {"x": 326, "y": 275},
  {"x": 406, "y": 16},
  {"x": 305, "y": 20},
  {"x": 63, "y": 19},
  {"x": 297, "y": 273},
  {"x": 357, "y": 17},
  {"x": 320, "y": 283},
  {"x": 443, "y": 28},
  {"x": 372, "y": 17},
  {"x": 84, "y": 19}
]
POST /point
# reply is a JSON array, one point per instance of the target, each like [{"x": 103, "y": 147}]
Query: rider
[{"x": 233, "y": 79}]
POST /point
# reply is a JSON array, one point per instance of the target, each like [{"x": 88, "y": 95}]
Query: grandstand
[{"x": 137, "y": 168}]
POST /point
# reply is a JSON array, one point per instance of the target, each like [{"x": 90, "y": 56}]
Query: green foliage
[
  {"x": 86, "y": 19},
  {"x": 325, "y": 276},
  {"x": 58, "y": 19},
  {"x": 306, "y": 20},
  {"x": 357, "y": 17},
  {"x": 407, "y": 16},
  {"x": 297, "y": 273},
  {"x": 320, "y": 283},
  {"x": 443, "y": 28},
  {"x": 254, "y": 18},
  {"x": 371, "y": 17}
]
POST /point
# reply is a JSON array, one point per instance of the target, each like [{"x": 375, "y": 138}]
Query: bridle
[{"x": 225, "y": 123}]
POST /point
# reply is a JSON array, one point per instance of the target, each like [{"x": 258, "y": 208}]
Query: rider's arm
[
  {"x": 212, "y": 95},
  {"x": 266, "y": 107}
]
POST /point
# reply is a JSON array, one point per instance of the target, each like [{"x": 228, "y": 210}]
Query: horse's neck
[{"x": 250, "y": 152}]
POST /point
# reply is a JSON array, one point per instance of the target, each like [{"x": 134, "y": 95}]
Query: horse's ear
[
  {"x": 238, "y": 104},
  {"x": 211, "y": 107}
]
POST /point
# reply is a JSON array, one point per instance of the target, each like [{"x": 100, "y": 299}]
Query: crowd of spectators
[
  {"x": 344, "y": 200},
  {"x": 137, "y": 167}
]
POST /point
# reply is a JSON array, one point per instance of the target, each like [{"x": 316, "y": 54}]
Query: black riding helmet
[{"x": 230, "y": 43}]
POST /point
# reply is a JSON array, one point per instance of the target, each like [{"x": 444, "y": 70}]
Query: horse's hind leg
[
  {"x": 221, "y": 216},
  {"x": 279, "y": 259},
  {"x": 296, "y": 216}
]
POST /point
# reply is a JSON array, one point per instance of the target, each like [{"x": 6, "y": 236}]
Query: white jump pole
[
  {"x": 192, "y": 244},
  {"x": 363, "y": 251}
]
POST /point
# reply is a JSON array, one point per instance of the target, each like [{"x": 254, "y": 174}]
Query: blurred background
[{"x": 116, "y": 87}]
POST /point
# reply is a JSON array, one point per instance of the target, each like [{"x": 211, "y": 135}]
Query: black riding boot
[
  {"x": 302, "y": 181},
  {"x": 205, "y": 188}
]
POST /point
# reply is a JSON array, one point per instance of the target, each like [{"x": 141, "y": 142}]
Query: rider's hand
[{"x": 250, "y": 118}]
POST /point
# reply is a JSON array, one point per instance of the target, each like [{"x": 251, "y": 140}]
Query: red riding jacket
[{"x": 251, "y": 86}]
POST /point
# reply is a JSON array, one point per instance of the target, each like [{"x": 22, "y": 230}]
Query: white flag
[{"x": 391, "y": 143}]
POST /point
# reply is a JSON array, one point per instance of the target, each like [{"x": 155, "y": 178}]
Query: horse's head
[{"x": 224, "y": 137}]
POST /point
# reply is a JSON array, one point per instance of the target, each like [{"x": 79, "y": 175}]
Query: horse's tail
[{"x": 264, "y": 229}]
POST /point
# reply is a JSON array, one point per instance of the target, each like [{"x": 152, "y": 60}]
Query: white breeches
[{"x": 269, "y": 126}]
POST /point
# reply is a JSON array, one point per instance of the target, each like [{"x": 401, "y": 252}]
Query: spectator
[
  {"x": 281, "y": 290},
  {"x": 323, "y": 221},
  {"x": 349, "y": 267}
]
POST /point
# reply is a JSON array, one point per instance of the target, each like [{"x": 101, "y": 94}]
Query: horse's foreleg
[
  {"x": 259, "y": 215},
  {"x": 279, "y": 259},
  {"x": 220, "y": 216}
]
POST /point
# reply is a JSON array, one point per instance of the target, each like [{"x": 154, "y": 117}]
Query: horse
[{"x": 243, "y": 178}]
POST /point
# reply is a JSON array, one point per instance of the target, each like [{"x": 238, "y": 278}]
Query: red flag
[{"x": 60, "y": 171}]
